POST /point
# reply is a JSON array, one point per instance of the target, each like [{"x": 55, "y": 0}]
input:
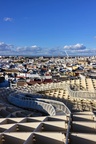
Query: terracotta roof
[
  {"x": 21, "y": 83},
  {"x": 11, "y": 70}
]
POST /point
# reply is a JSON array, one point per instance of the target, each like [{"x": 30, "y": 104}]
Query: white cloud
[
  {"x": 28, "y": 48},
  {"x": 1, "y": 43},
  {"x": 34, "y": 46},
  {"x": 75, "y": 47},
  {"x": 7, "y": 19},
  {"x": 78, "y": 49},
  {"x": 5, "y": 47}
]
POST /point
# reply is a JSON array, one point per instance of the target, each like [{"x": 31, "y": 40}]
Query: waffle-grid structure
[{"x": 20, "y": 127}]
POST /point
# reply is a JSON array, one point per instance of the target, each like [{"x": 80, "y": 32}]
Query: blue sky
[{"x": 47, "y": 26}]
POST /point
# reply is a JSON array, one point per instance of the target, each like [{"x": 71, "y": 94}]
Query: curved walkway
[
  {"x": 43, "y": 105},
  {"x": 72, "y": 93},
  {"x": 46, "y": 105},
  {"x": 47, "y": 124}
]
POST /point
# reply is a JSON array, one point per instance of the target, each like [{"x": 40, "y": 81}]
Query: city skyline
[{"x": 48, "y": 27}]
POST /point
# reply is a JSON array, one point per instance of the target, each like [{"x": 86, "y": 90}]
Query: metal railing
[
  {"x": 72, "y": 93},
  {"x": 30, "y": 103}
]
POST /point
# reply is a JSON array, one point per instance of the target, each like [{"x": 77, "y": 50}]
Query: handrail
[
  {"x": 81, "y": 94},
  {"x": 31, "y": 103},
  {"x": 57, "y": 104},
  {"x": 65, "y": 86}
]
